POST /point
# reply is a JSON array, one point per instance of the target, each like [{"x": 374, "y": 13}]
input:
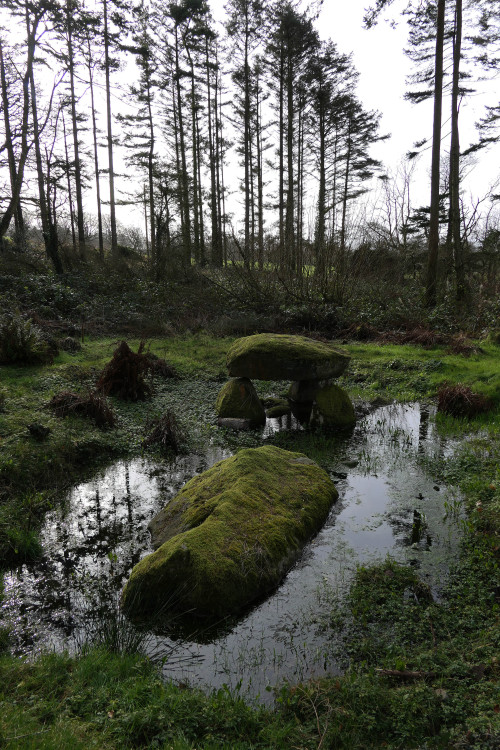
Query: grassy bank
[{"x": 422, "y": 673}]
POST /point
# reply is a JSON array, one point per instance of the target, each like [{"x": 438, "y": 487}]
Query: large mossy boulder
[
  {"x": 238, "y": 399},
  {"x": 231, "y": 534},
  {"x": 273, "y": 356},
  {"x": 333, "y": 408}
]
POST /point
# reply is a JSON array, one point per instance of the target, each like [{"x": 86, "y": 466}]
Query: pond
[{"x": 388, "y": 505}]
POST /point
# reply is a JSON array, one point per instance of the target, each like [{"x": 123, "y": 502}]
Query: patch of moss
[
  {"x": 279, "y": 408},
  {"x": 238, "y": 399},
  {"x": 272, "y": 356},
  {"x": 333, "y": 408},
  {"x": 231, "y": 534}
]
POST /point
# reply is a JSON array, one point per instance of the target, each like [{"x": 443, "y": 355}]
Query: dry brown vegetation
[{"x": 93, "y": 405}]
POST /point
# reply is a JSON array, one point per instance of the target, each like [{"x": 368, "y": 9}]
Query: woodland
[{"x": 170, "y": 183}]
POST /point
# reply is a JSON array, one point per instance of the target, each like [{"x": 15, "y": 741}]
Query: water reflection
[{"x": 387, "y": 505}]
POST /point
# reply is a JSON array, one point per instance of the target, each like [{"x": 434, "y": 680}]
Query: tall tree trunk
[
  {"x": 74, "y": 122},
  {"x": 203, "y": 252},
  {"x": 281, "y": 168},
  {"x": 320, "y": 221},
  {"x": 216, "y": 254},
  {"x": 246, "y": 145},
  {"x": 343, "y": 225},
  {"x": 260, "y": 181},
  {"x": 48, "y": 228},
  {"x": 112, "y": 204},
  {"x": 433, "y": 251},
  {"x": 25, "y": 146},
  {"x": 154, "y": 253},
  {"x": 289, "y": 214},
  {"x": 458, "y": 250},
  {"x": 96, "y": 155},
  {"x": 70, "y": 191},
  {"x": 194, "y": 151},
  {"x": 18, "y": 214},
  {"x": 186, "y": 225}
]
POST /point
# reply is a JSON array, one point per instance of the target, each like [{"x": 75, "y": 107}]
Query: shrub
[{"x": 21, "y": 341}]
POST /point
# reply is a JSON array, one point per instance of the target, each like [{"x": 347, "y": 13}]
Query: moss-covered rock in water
[
  {"x": 333, "y": 408},
  {"x": 272, "y": 356},
  {"x": 230, "y": 535},
  {"x": 238, "y": 399}
]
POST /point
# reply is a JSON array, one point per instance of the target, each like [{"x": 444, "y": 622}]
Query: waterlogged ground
[{"x": 388, "y": 505}]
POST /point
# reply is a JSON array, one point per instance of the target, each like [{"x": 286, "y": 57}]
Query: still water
[{"x": 91, "y": 545}]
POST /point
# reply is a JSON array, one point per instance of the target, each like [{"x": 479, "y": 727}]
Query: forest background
[{"x": 243, "y": 145}]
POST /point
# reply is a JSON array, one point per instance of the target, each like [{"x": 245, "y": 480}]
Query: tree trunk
[
  {"x": 18, "y": 214},
  {"x": 215, "y": 255},
  {"x": 433, "y": 251},
  {"x": 74, "y": 122},
  {"x": 49, "y": 230},
  {"x": 96, "y": 156},
  {"x": 112, "y": 205},
  {"x": 458, "y": 250},
  {"x": 289, "y": 214},
  {"x": 186, "y": 225},
  {"x": 70, "y": 192}
]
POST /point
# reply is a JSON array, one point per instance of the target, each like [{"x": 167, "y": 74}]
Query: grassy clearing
[{"x": 390, "y": 628}]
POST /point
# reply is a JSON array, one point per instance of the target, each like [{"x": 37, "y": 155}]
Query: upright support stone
[
  {"x": 333, "y": 408},
  {"x": 238, "y": 400}
]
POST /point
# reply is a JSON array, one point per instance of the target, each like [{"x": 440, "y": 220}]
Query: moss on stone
[
  {"x": 230, "y": 535},
  {"x": 270, "y": 356},
  {"x": 279, "y": 408},
  {"x": 238, "y": 399},
  {"x": 333, "y": 408}
]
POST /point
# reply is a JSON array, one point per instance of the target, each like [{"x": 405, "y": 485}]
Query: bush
[{"x": 21, "y": 341}]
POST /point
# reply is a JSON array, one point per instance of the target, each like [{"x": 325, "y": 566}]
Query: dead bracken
[
  {"x": 124, "y": 375},
  {"x": 460, "y": 401},
  {"x": 92, "y": 405},
  {"x": 165, "y": 433}
]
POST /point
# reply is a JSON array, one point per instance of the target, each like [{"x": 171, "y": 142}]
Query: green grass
[{"x": 408, "y": 372}]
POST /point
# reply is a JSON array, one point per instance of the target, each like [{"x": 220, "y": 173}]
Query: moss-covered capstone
[
  {"x": 333, "y": 408},
  {"x": 272, "y": 356},
  {"x": 238, "y": 399},
  {"x": 230, "y": 535}
]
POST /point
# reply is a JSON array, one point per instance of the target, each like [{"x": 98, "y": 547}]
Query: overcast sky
[{"x": 378, "y": 55}]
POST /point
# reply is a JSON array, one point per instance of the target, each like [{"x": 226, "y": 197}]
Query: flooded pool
[{"x": 388, "y": 505}]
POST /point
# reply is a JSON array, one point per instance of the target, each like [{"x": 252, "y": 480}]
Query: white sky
[{"x": 378, "y": 55}]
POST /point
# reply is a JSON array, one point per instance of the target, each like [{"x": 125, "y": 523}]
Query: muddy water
[{"x": 388, "y": 505}]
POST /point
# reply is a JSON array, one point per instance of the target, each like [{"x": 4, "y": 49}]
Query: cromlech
[{"x": 311, "y": 366}]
